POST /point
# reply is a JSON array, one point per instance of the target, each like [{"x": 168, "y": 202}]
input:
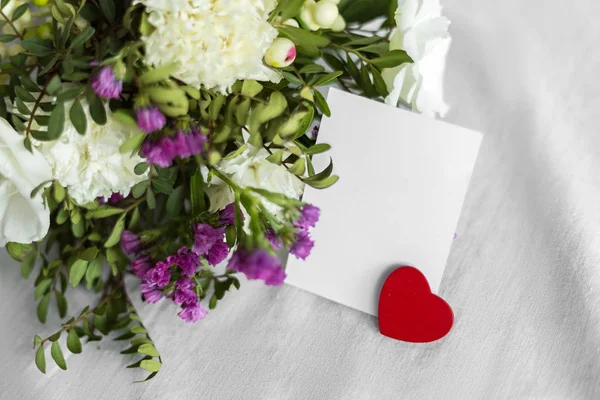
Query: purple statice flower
[
  {"x": 258, "y": 264},
  {"x": 189, "y": 144},
  {"x": 112, "y": 200},
  {"x": 160, "y": 152},
  {"x": 273, "y": 239},
  {"x": 217, "y": 253},
  {"x": 150, "y": 119},
  {"x": 185, "y": 291},
  {"x": 303, "y": 245},
  {"x": 188, "y": 261},
  {"x": 151, "y": 293},
  {"x": 228, "y": 214},
  {"x": 159, "y": 275},
  {"x": 309, "y": 216},
  {"x": 131, "y": 242},
  {"x": 141, "y": 265},
  {"x": 192, "y": 311},
  {"x": 106, "y": 84},
  {"x": 205, "y": 237},
  {"x": 315, "y": 131}
]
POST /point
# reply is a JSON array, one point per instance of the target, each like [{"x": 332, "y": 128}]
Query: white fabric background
[{"x": 523, "y": 276}]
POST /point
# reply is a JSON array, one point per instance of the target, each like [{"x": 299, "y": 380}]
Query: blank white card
[{"x": 403, "y": 179}]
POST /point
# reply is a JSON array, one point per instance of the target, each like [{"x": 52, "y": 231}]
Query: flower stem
[{"x": 14, "y": 28}]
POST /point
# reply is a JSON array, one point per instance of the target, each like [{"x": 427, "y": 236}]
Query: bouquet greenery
[{"x": 166, "y": 138}]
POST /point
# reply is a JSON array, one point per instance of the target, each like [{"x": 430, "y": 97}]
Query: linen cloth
[{"x": 523, "y": 276}]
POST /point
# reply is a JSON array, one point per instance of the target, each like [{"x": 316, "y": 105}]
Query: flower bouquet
[{"x": 163, "y": 139}]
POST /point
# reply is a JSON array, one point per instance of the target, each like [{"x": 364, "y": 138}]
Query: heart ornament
[{"x": 408, "y": 311}]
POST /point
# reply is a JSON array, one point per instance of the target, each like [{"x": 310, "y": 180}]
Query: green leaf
[
  {"x": 197, "y": 193},
  {"x": 104, "y": 212},
  {"x": 42, "y": 309},
  {"x": 69, "y": 94},
  {"x": 85, "y": 35},
  {"x": 77, "y": 272},
  {"x": 57, "y": 355},
  {"x": 108, "y": 9},
  {"x": 94, "y": 271},
  {"x": 317, "y": 149},
  {"x": 175, "y": 202},
  {"x": 298, "y": 168},
  {"x": 325, "y": 183},
  {"x": 40, "y": 359},
  {"x": 392, "y": 59},
  {"x": 137, "y": 329},
  {"x": 321, "y": 175},
  {"x": 78, "y": 118},
  {"x": 379, "y": 83},
  {"x": 312, "y": 69},
  {"x": 139, "y": 189},
  {"x": 328, "y": 78},
  {"x": 151, "y": 365},
  {"x": 73, "y": 342},
  {"x": 22, "y": 107},
  {"x": 24, "y": 95},
  {"x": 251, "y": 88},
  {"x": 89, "y": 254},
  {"x": 363, "y": 10},
  {"x": 241, "y": 114},
  {"x": 365, "y": 40},
  {"x": 291, "y": 8},
  {"x": 322, "y": 103},
  {"x": 61, "y": 303},
  {"x": 115, "y": 236},
  {"x": 162, "y": 186},
  {"x": 303, "y": 38},
  {"x": 37, "y": 340},
  {"x": 365, "y": 81},
  {"x": 98, "y": 111},
  {"x": 148, "y": 349},
  {"x": 378, "y": 48},
  {"x": 38, "y": 47},
  {"x": 8, "y": 37},
  {"x": 276, "y": 158},
  {"x": 19, "y": 11},
  {"x": 42, "y": 287},
  {"x": 56, "y": 123},
  {"x": 125, "y": 117},
  {"x": 133, "y": 143},
  {"x": 141, "y": 168},
  {"x": 27, "y": 265},
  {"x": 159, "y": 74}
]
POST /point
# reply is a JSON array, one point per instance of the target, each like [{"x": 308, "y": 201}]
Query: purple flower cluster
[
  {"x": 258, "y": 264},
  {"x": 163, "y": 151},
  {"x": 131, "y": 243},
  {"x": 112, "y": 200},
  {"x": 156, "y": 278},
  {"x": 209, "y": 241},
  {"x": 309, "y": 216},
  {"x": 141, "y": 265},
  {"x": 106, "y": 84},
  {"x": 228, "y": 215},
  {"x": 150, "y": 119},
  {"x": 191, "y": 309}
]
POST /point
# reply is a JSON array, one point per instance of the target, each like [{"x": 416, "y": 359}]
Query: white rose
[
  {"x": 252, "y": 169},
  {"x": 22, "y": 219},
  {"x": 423, "y": 33}
]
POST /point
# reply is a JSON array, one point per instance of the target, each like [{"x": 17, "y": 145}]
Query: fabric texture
[{"x": 523, "y": 276}]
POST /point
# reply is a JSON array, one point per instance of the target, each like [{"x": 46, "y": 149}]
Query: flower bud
[
  {"x": 40, "y": 3},
  {"x": 281, "y": 53},
  {"x": 306, "y": 15},
  {"x": 44, "y": 31},
  {"x": 291, "y": 22},
  {"x": 325, "y": 13},
  {"x": 339, "y": 24}
]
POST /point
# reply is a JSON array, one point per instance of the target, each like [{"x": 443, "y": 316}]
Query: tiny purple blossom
[
  {"x": 258, "y": 264},
  {"x": 184, "y": 292},
  {"x": 205, "y": 236},
  {"x": 106, "y": 84},
  {"x": 192, "y": 311},
  {"x": 189, "y": 144},
  {"x": 309, "y": 216},
  {"x": 188, "y": 261},
  {"x": 159, "y": 275},
  {"x": 131, "y": 242},
  {"x": 150, "y": 119},
  {"x": 303, "y": 245},
  {"x": 141, "y": 265},
  {"x": 112, "y": 200},
  {"x": 218, "y": 252},
  {"x": 159, "y": 152},
  {"x": 315, "y": 131},
  {"x": 151, "y": 293},
  {"x": 273, "y": 239},
  {"x": 228, "y": 215}
]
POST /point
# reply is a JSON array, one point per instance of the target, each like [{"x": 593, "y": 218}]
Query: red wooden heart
[{"x": 408, "y": 311}]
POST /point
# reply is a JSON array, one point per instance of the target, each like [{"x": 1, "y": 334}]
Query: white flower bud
[
  {"x": 325, "y": 13},
  {"x": 281, "y": 53},
  {"x": 339, "y": 24},
  {"x": 306, "y": 15},
  {"x": 292, "y": 22}
]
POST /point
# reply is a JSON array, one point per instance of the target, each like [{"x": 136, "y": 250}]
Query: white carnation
[
  {"x": 212, "y": 42},
  {"x": 423, "y": 33},
  {"x": 252, "y": 169},
  {"x": 90, "y": 165}
]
